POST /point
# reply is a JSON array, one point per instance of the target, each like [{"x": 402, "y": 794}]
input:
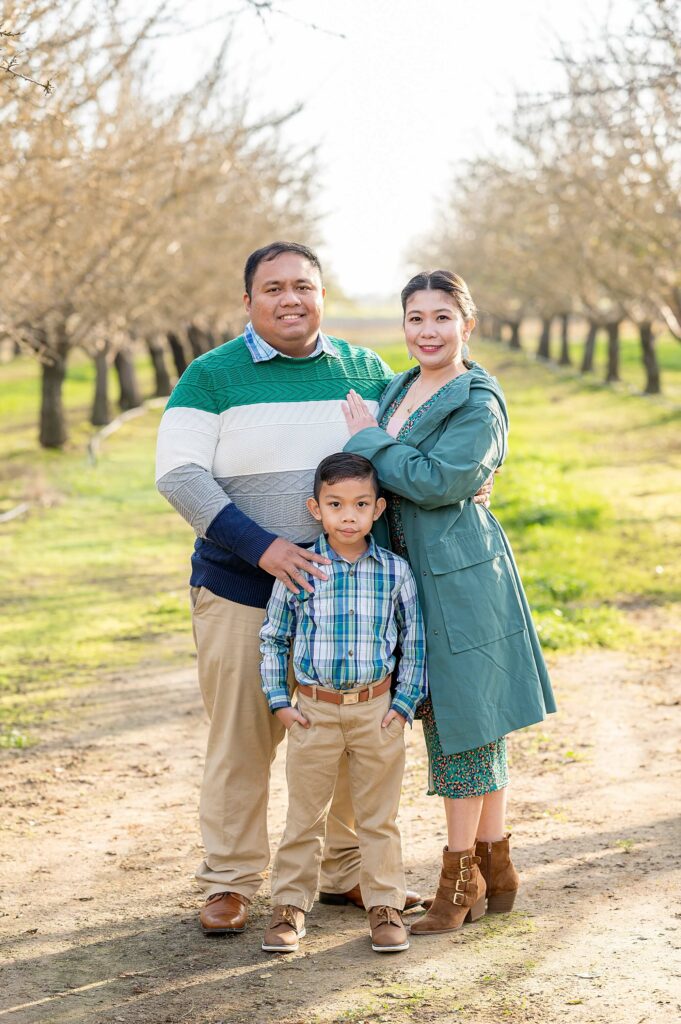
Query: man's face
[{"x": 286, "y": 303}]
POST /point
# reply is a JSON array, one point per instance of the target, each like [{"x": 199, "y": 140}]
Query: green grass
[{"x": 93, "y": 581}]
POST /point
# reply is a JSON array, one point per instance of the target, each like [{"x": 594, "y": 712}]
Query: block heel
[
  {"x": 501, "y": 903},
  {"x": 477, "y": 911}
]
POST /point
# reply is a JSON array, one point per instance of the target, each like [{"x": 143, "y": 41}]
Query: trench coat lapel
[
  {"x": 393, "y": 388},
  {"x": 455, "y": 396}
]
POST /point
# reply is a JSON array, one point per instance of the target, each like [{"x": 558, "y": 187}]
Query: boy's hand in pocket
[
  {"x": 290, "y": 715},
  {"x": 389, "y": 717}
]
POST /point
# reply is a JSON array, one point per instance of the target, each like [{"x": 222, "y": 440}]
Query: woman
[{"x": 441, "y": 432}]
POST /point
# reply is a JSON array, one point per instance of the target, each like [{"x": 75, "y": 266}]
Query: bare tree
[
  {"x": 130, "y": 217},
  {"x": 581, "y": 215}
]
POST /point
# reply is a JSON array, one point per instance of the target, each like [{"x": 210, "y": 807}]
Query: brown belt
[{"x": 357, "y": 696}]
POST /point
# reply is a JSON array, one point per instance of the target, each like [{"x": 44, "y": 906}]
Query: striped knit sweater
[{"x": 238, "y": 446}]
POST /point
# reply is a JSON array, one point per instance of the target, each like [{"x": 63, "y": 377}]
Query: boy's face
[{"x": 347, "y": 510}]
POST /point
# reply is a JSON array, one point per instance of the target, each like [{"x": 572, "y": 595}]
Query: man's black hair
[
  {"x": 344, "y": 466},
  {"x": 270, "y": 252}
]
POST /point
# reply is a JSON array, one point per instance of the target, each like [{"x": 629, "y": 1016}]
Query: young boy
[{"x": 344, "y": 632}]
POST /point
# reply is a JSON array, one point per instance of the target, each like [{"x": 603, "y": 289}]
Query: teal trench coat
[{"x": 485, "y": 666}]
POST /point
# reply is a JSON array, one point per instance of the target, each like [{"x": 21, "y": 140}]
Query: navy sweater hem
[{"x": 254, "y": 590}]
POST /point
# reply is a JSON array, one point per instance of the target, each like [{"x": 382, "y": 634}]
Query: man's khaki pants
[
  {"x": 341, "y": 733},
  {"x": 242, "y": 743}
]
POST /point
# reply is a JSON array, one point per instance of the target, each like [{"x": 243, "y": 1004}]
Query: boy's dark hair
[
  {"x": 270, "y": 252},
  {"x": 344, "y": 466}
]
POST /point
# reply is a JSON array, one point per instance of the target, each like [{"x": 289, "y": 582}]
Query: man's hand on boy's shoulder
[
  {"x": 389, "y": 717},
  {"x": 289, "y": 562},
  {"x": 290, "y": 715}
]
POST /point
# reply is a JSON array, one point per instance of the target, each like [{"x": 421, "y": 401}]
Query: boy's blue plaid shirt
[{"x": 345, "y": 634}]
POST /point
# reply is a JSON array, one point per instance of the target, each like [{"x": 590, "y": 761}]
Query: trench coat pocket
[{"x": 476, "y": 587}]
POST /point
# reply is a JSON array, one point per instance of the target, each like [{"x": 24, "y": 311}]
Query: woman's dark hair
[
  {"x": 344, "y": 466},
  {"x": 442, "y": 281},
  {"x": 270, "y": 252}
]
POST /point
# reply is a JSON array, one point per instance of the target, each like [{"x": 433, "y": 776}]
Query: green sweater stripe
[{"x": 227, "y": 377}]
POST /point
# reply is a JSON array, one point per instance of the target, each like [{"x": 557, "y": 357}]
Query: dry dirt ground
[{"x": 99, "y": 841}]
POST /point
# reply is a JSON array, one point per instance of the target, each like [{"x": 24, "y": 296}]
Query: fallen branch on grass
[
  {"x": 15, "y": 512},
  {"x": 95, "y": 441}
]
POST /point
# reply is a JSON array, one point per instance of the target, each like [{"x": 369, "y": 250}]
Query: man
[{"x": 238, "y": 445}]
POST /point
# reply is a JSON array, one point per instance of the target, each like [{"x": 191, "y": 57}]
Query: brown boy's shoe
[
  {"x": 354, "y": 896},
  {"x": 286, "y": 926},
  {"x": 224, "y": 913},
  {"x": 388, "y": 934}
]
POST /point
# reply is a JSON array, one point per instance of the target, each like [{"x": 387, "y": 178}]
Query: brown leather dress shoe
[
  {"x": 354, "y": 896},
  {"x": 224, "y": 913}
]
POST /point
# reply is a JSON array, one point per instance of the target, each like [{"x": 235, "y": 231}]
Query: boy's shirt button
[
  {"x": 351, "y": 611},
  {"x": 350, "y": 653}
]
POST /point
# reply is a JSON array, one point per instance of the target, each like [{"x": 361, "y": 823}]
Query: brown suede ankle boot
[
  {"x": 460, "y": 895},
  {"x": 500, "y": 876}
]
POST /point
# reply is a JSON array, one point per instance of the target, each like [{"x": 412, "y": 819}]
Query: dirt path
[{"x": 99, "y": 841}]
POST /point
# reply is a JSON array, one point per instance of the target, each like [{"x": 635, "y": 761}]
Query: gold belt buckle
[{"x": 351, "y": 698}]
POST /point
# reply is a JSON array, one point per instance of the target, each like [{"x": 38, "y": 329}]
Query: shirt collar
[
  {"x": 322, "y": 547},
  {"x": 261, "y": 351}
]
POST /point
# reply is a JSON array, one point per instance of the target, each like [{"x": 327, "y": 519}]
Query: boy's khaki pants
[
  {"x": 340, "y": 734},
  {"x": 242, "y": 743}
]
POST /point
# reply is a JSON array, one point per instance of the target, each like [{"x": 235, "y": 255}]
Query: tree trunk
[
  {"x": 101, "y": 407},
  {"x": 163, "y": 384},
  {"x": 544, "y": 347},
  {"x": 495, "y": 329},
  {"x": 589, "y": 348},
  {"x": 649, "y": 357},
  {"x": 564, "y": 340},
  {"x": 53, "y": 432},
  {"x": 613, "y": 371},
  {"x": 198, "y": 340},
  {"x": 130, "y": 396},
  {"x": 177, "y": 350},
  {"x": 515, "y": 334}
]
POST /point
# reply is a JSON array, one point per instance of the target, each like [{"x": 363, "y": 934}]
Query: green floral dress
[{"x": 471, "y": 772}]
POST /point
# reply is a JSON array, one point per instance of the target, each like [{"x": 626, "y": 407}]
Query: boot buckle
[
  {"x": 465, "y": 862},
  {"x": 458, "y": 899},
  {"x": 465, "y": 875},
  {"x": 460, "y": 885}
]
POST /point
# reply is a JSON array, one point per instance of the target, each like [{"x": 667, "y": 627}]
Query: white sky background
[{"x": 414, "y": 86}]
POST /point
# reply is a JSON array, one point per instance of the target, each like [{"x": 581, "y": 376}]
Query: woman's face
[{"x": 434, "y": 329}]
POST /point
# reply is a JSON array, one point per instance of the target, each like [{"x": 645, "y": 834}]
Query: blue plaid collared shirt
[
  {"x": 261, "y": 350},
  {"x": 345, "y": 633}
]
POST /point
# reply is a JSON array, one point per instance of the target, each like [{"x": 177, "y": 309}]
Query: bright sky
[{"x": 414, "y": 86}]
